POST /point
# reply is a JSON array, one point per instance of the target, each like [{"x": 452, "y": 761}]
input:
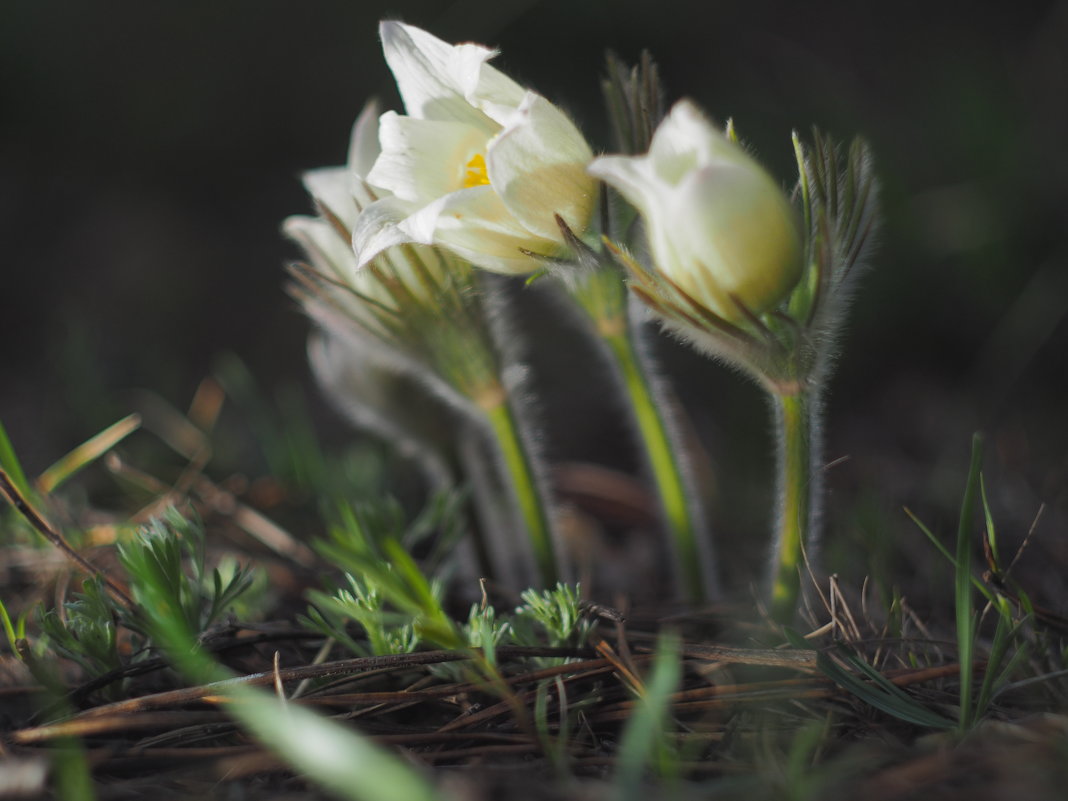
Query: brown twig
[{"x": 34, "y": 518}]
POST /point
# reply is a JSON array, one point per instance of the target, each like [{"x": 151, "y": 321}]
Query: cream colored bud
[{"x": 718, "y": 225}]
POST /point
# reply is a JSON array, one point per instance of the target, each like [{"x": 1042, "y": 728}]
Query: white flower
[
  {"x": 479, "y": 165},
  {"x": 373, "y": 294},
  {"x": 412, "y": 308},
  {"x": 719, "y": 228}
]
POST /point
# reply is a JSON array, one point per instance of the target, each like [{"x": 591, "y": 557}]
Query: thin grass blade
[{"x": 87, "y": 453}]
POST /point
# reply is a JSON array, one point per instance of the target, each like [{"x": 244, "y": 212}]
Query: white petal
[
  {"x": 686, "y": 140},
  {"x": 332, "y": 188},
  {"x": 486, "y": 87},
  {"x": 477, "y": 226},
  {"x": 363, "y": 144},
  {"x": 430, "y": 74},
  {"x": 378, "y": 228},
  {"x": 634, "y": 178},
  {"x": 423, "y": 159},
  {"x": 537, "y": 164},
  {"x": 327, "y": 250},
  {"x": 750, "y": 243}
]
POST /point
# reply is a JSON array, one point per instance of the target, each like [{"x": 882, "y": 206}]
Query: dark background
[{"x": 149, "y": 151}]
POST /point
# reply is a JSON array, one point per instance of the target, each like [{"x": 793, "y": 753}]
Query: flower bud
[{"x": 720, "y": 230}]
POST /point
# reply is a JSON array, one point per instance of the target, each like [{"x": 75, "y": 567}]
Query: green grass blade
[
  {"x": 9, "y": 628},
  {"x": 996, "y": 674},
  {"x": 878, "y": 692},
  {"x": 9, "y": 462},
  {"x": 645, "y": 729},
  {"x": 991, "y": 531},
  {"x": 88, "y": 452},
  {"x": 963, "y": 584},
  {"x": 73, "y": 778},
  {"x": 976, "y": 581}
]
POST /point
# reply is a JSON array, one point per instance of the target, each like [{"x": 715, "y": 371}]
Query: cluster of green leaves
[
  {"x": 87, "y": 631},
  {"x": 390, "y": 597},
  {"x": 551, "y": 617},
  {"x": 103, "y": 635},
  {"x": 169, "y": 555},
  {"x": 332, "y": 755},
  {"x": 386, "y": 591},
  {"x": 362, "y": 603}
]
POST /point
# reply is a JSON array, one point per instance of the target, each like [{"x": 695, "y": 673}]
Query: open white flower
[
  {"x": 719, "y": 228},
  {"x": 411, "y": 307},
  {"x": 373, "y": 294},
  {"x": 478, "y": 165}
]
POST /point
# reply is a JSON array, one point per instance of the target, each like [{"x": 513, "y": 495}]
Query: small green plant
[
  {"x": 551, "y": 617},
  {"x": 335, "y": 757},
  {"x": 368, "y": 545},
  {"x": 1007, "y": 649},
  {"x": 362, "y": 603},
  {"x": 169, "y": 555},
  {"x": 88, "y": 630}
]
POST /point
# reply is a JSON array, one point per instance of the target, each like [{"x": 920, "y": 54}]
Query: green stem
[
  {"x": 520, "y": 469},
  {"x": 965, "y": 612},
  {"x": 796, "y": 488},
  {"x": 664, "y": 464}
]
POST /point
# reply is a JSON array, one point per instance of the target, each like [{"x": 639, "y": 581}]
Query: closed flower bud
[{"x": 719, "y": 228}]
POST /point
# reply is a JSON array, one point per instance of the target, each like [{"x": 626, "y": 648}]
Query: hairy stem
[
  {"x": 665, "y": 465},
  {"x": 797, "y": 490},
  {"x": 519, "y": 468}
]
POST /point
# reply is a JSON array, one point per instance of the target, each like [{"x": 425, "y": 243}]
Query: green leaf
[
  {"x": 878, "y": 692},
  {"x": 9, "y": 628},
  {"x": 9, "y": 462},
  {"x": 966, "y": 621},
  {"x": 87, "y": 453},
  {"x": 644, "y": 732}
]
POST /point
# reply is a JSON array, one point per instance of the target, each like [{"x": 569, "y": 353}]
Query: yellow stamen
[{"x": 475, "y": 172}]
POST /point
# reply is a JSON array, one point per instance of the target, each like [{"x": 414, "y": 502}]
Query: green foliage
[
  {"x": 10, "y": 464},
  {"x": 370, "y": 542},
  {"x": 800, "y": 781},
  {"x": 72, "y": 773},
  {"x": 854, "y": 674},
  {"x": 1007, "y": 649},
  {"x": 168, "y": 555},
  {"x": 87, "y": 631},
  {"x": 645, "y": 741},
  {"x": 14, "y": 630},
  {"x": 331, "y": 755},
  {"x": 967, "y": 624},
  {"x": 362, "y": 603},
  {"x": 551, "y": 617}
]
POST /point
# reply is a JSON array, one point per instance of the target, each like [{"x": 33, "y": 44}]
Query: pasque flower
[
  {"x": 478, "y": 165},
  {"x": 734, "y": 273},
  {"x": 719, "y": 228},
  {"x": 414, "y": 309},
  {"x": 414, "y": 300}
]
